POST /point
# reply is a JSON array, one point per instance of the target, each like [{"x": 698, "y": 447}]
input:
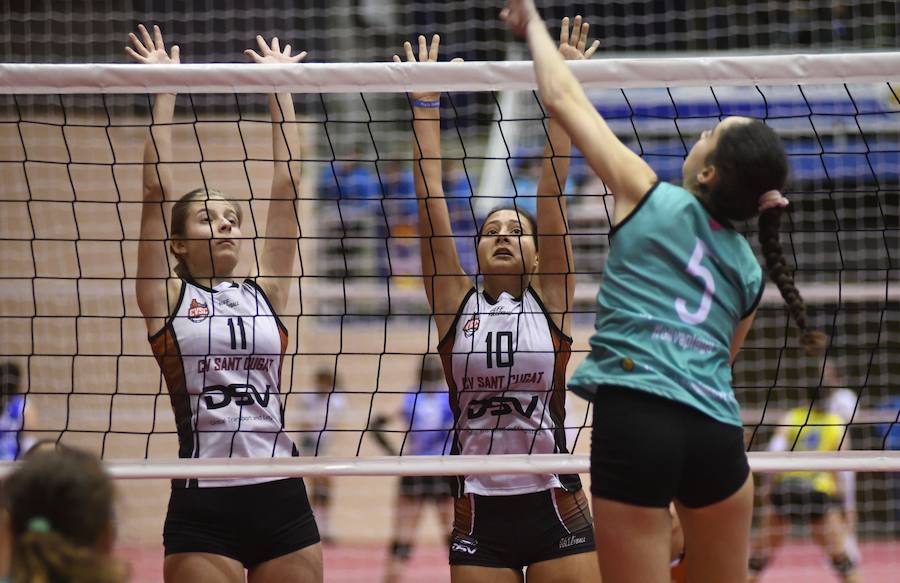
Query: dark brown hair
[
  {"x": 750, "y": 160},
  {"x": 60, "y": 504},
  {"x": 181, "y": 212}
]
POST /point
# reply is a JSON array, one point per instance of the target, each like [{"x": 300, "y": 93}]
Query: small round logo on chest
[
  {"x": 198, "y": 311},
  {"x": 471, "y": 326}
]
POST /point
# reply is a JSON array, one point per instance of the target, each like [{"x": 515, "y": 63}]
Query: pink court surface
[{"x": 796, "y": 563}]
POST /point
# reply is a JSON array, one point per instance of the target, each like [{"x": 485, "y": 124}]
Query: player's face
[
  {"x": 506, "y": 245},
  {"x": 212, "y": 240},
  {"x": 695, "y": 169}
]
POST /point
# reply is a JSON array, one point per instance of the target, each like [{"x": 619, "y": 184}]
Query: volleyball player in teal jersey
[
  {"x": 679, "y": 294},
  {"x": 504, "y": 349}
]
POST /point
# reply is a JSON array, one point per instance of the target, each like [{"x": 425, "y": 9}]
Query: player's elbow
[
  {"x": 152, "y": 192},
  {"x": 561, "y": 96}
]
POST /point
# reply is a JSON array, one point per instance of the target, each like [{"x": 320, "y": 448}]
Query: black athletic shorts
[
  {"x": 798, "y": 499},
  {"x": 430, "y": 487},
  {"x": 513, "y": 532},
  {"x": 648, "y": 450},
  {"x": 251, "y": 524}
]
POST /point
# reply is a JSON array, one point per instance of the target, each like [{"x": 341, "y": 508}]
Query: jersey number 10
[{"x": 502, "y": 349}]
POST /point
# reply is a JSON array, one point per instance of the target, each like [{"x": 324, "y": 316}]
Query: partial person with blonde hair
[{"x": 61, "y": 519}]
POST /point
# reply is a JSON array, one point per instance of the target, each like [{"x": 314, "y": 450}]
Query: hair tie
[
  {"x": 38, "y": 524},
  {"x": 772, "y": 199}
]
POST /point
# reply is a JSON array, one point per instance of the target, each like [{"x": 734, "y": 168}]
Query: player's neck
[
  {"x": 513, "y": 284},
  {"x": 210, "y": 282}
]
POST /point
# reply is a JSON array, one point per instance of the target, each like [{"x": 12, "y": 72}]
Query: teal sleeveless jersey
[{"x": 676, "y": 284}]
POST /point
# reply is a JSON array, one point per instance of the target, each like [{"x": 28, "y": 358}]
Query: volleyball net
[
  {"x": 71, "y": 141},
  {"x": 218, "y": 31}
]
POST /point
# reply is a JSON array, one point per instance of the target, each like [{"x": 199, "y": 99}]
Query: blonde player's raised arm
[{"x": 156, "y": 291}]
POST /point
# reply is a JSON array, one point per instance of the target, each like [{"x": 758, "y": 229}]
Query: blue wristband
[{"x": 428, "y": 104}]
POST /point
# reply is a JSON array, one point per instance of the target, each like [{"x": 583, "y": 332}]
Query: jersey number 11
[{"x": 240, "y": 326}]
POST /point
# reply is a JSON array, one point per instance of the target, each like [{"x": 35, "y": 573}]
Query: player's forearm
[
  {"x": 286, "y": 148},
  {"x": 554, "y": 173},
  {"x": 555, "y": 166},
  {"x": 427, "y": 169},
  {"x": 158, "y": 148}
]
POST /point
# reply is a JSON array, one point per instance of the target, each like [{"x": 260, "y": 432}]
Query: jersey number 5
[{"x": 697, "y": 270}]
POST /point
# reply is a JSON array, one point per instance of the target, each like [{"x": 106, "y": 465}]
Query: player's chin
[{"x": 504, "y": 265}]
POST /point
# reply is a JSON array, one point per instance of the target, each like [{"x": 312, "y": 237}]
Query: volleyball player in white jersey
[
  {"x": 504, "y": 349},
  {"x": 220, "y": 345}
]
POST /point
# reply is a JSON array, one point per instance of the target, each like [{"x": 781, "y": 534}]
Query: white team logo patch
[
  {"x": 471, "y": 326},
  {"x": 198, "y": 311}
]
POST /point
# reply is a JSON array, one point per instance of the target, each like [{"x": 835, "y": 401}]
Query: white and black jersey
[
  {"x": 221, "y": 353},
  {"x": 505, "y": 363}
]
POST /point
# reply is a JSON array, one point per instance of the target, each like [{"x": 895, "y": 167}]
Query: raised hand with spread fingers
[
  {"x": 573, "y": 45},
  {"x": 273, "y": 53},
  {"x": 150, "y": 49}
]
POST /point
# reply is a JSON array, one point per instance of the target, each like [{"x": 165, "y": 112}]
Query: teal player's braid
[
  {"x": 769, "y": 229},
  {"x": 750, "y": 159}
]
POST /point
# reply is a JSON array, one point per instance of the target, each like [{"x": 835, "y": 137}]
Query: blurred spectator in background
[
  {"x": 320, "y": 409},
  {"x": 15, "y": 416},
  {"x": 426, "y": 420},
  {"x": 807, "y": 495},
  {"x": 350, "y": 179},
  {"x": 843, "y": 402},
  {"x": 890, "y": 432}
]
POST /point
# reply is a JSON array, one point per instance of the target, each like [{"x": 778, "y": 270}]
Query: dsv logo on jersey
[
  {"x": 500, "y": 406},
  {"x": 218, "y": 396}
]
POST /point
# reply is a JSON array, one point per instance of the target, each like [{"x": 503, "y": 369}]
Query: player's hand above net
[
  {"x": 517, "y": 15},
  {"x": 151, "y": 50},
  {"x": 273, "y": 53},
  {"x": 426, "y": 55},
  {"x": 573, "y": 44}
]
